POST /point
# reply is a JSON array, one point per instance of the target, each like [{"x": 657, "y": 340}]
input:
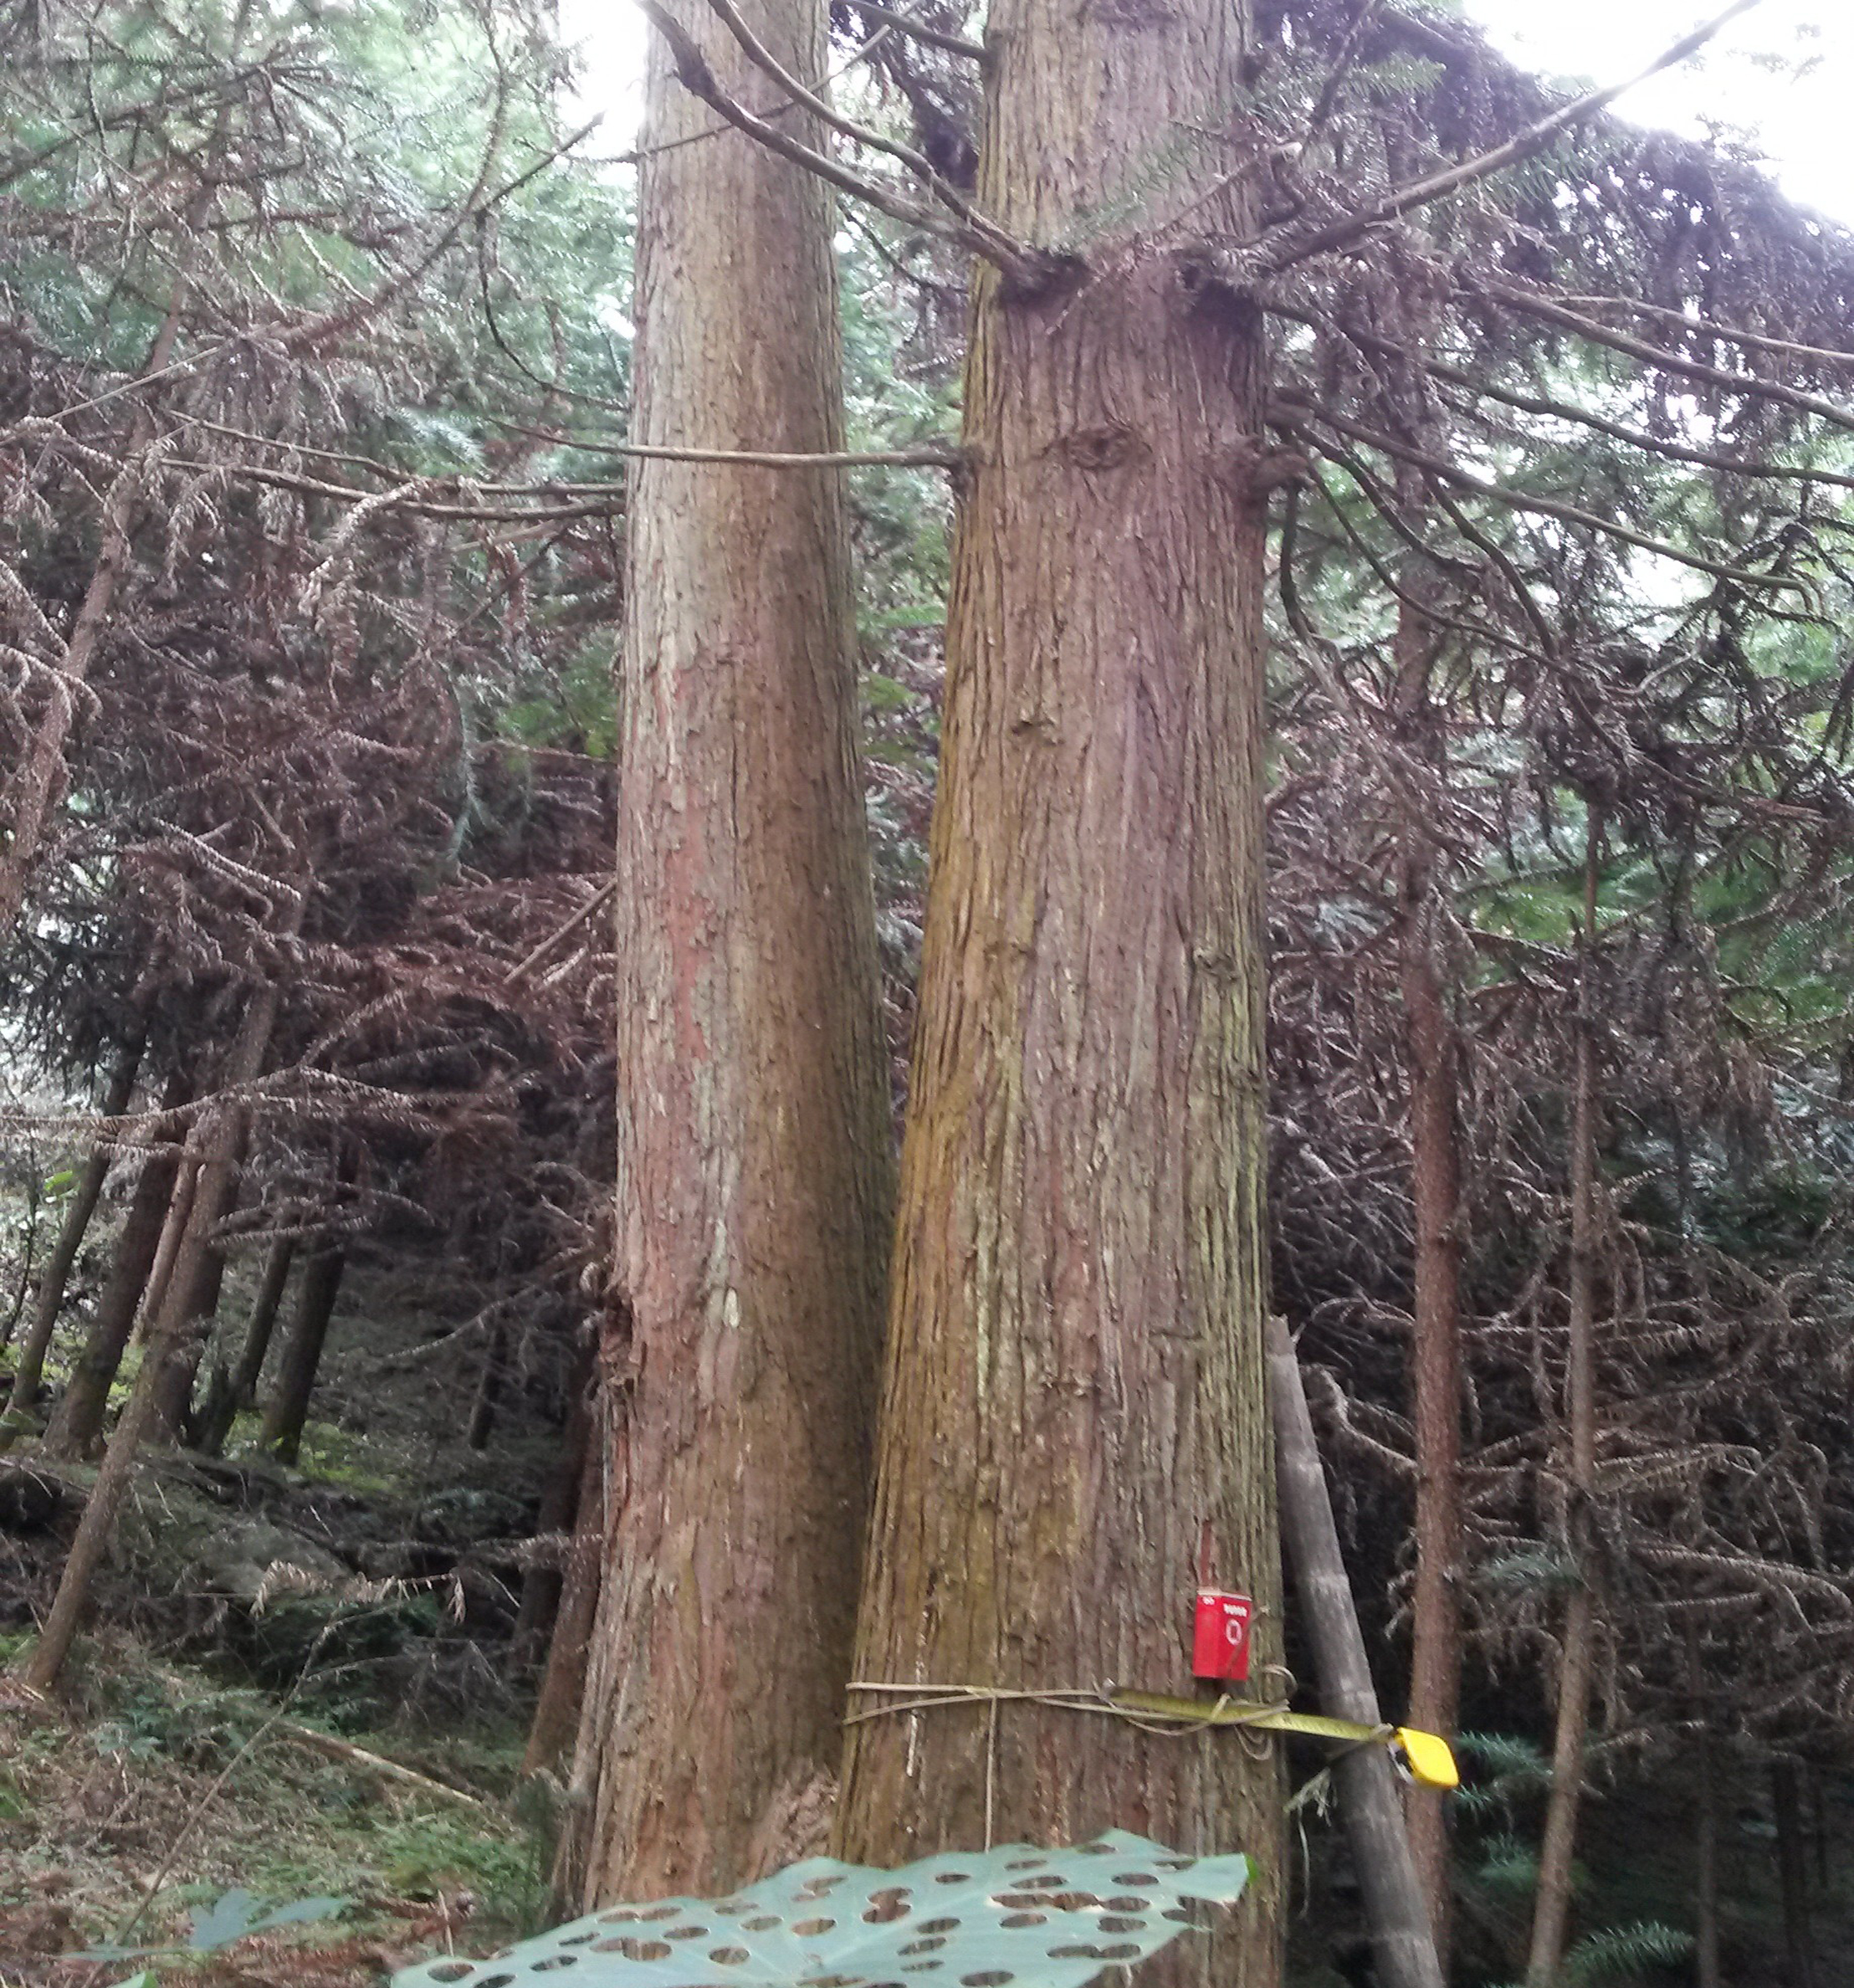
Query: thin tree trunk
[
  {"x": 1076, "y": 1415},
  {"x": 754, "y": 1176},
  {"x": 197, "y": 1270},
  {"x": 488, "y": 1388},
  {"x": 1396, "y": 1910},
  {"x": 1799, "y": 1938},
  {"x": 77, "y": 1424},
  {"x": 1551, "y": 1909},
  {"x": 1430, "y": 1056},
  {"x": 34, "y": 792},
  {"x": 232, "y": 1389},
  {"x": 563, "y": 1682},
  {"x": 139, "y": 1421},
  {"x": 1706, "y": 1970},
  {"x": 55, "y": 1278},
  {"x": 288, "y": 1409},
  {"x": 560, "y": 1500}
]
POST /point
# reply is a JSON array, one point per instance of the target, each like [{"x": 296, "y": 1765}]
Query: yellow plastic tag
[{"x": 1429, "y": 1758}]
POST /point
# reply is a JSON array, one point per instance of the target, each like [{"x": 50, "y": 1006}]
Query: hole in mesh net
[
  {"x": 635, "y": 1950},
  {"x": 730, "y": 1956},
  {"x": 452, "y": 1970},
  {"x": 1134, "y": 1877},
  {"x": 1126, "y": 1903},
  {"x": 580, "y": 1939},
  {"x": 1025, "y": 1919},
  {"x": 501, "y": 1980},
  {"x": 816, "y": 1888},
  {"x": 1075, "y": 1953},
  {"x": 1049, "y": 1901},
  {"x": 1028, "y": 1863},
  {"x": 1122, "y": 1926},
  {"x": 922, "y": 1966},
  {"x": 687, "y": 1932},
  {"x": 810, "y": 1928},
  {"x": 887, "y": 1905},
  {"x": 940, "y": 1925},
  {"x": 554, "y": 1960},
  {"x": 952, "y": 1877},
  {"x": 989, "y": 1977},
  {"x": 1125, "y": 1950},
  {"x": 925, "y": 1946},
  {"x": 764, "y": 1923}
]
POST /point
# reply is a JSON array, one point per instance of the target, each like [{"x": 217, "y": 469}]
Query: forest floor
[{"x": 270, "y": 1645}]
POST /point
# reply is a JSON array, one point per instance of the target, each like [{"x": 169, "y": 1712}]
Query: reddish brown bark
[
  {"x": 754, "y": 1165},
  {"x": 1076, "y": 1403}
]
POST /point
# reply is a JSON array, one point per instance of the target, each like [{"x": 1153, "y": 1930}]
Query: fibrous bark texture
[
  {"x": 1075, "y": 1419},
  {"x": 755, "y": 1173}
]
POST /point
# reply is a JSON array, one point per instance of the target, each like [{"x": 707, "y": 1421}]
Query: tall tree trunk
[
  {"x": 1799, "y": 1938},
  {"x": 563, "y": 1682},
  {"x": 1396, "y": 1911},
  {"x": 288, "y": 1410},
  {"x": 77, "y": 1423},
  {"x": 1551, "y": 1909},
  {"x": 1436, "y": 1358},
  {"x": 1075, "y": 1416},
  {"x": 754, "y": 1179},
  {"x": 237, "y": 1388},
  {"x": 55, "y": 1278}
]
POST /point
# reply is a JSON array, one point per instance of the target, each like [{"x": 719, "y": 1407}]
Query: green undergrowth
[{"x": 167, "y": 1772}]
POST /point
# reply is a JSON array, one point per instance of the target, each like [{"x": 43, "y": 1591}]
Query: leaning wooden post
[{"x": 1394, "y": 1908}]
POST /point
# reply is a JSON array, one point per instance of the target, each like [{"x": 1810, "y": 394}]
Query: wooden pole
[{"x": 1395, "y": 1909}]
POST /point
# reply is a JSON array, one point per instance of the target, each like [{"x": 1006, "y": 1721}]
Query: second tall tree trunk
[
  {"x": 1075, "y": 1424},
  {"x": 754, "y": 1177}
]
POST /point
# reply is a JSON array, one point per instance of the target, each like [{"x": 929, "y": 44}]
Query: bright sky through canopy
[{"x": 1782, "y": 74}]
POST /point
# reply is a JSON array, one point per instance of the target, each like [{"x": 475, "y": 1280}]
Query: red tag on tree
[{"x": 1219, "y": 1646}]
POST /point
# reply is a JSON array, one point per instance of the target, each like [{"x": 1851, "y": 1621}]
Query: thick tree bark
[
  {"x": 1396, "y": 1911},
  {"x": 1799, "y": 1938},
  {"x": 1577, "y": 1665},
  {"x": 232, "y": 1389},
  {"x": 1076, "y": 1417},
  {"x": 754, "y": 1170},
  {"x": 77, "y": 1424},
  {"x": 55, "y": 1280},
  {"x": 288, "y": 1409}
]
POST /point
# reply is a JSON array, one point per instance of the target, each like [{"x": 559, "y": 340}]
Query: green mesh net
[{"x": 1014, "y": 1917}]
